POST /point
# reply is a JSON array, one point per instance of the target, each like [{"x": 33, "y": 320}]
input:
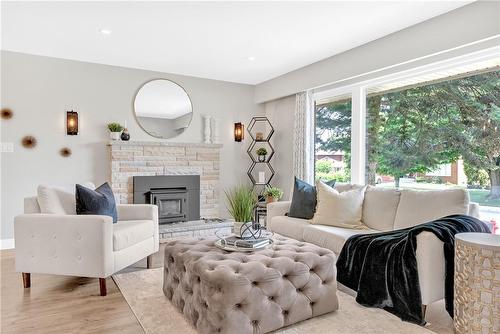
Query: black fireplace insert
[{"x": 177, "y": 196}]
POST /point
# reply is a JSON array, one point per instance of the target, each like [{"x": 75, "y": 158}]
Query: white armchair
[{"x": 84, "y": 245}]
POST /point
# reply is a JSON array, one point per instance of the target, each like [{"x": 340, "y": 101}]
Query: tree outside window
[{"x": 412, "y": 133}]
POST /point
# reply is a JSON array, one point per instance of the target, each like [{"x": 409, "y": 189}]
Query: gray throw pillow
[
  {"x": 96, "y": 202},
  {"x": 303, "y": 200}
]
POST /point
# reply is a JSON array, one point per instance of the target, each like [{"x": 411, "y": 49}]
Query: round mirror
[{"x": 163, "y": 108}]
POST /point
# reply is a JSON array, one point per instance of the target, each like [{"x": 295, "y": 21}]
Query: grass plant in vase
[
  {"x": 241, "y": 201},
  {"x": 115, "y": 130},
  {"x": 273, "y": 194}
]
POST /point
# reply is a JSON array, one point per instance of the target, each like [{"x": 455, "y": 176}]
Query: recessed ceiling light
[
  {"x": 105, "y": 31},
  {"x": 251, "y": 58}
]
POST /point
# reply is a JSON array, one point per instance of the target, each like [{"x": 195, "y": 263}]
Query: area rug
[{"x": 143, "y": 292}]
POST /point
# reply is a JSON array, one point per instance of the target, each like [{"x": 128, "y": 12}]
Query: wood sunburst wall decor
[
  {"x": 65, "y": 152},
  {"x": 6, "y": 113},
  {"x": 29, "y": 141}
]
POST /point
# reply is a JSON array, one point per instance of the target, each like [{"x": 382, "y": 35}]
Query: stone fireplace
[{"x": 141, "y": 158}]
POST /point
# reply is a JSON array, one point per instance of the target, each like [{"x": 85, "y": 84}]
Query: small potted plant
[
  {"x": 116, "y": 130},
  {"x": 273, "y": 194},
  {"x": 241, "y": 201},
  {"x": 261, "y": 154}
]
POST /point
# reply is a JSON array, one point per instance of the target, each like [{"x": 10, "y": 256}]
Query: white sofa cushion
[
  {"x": 380, "y": 207},
  {"x": 339, "y": 209},
  {"x": 331, "y": 237},
  {"x": 417, "y": 207},
  {"x": 59, "y": 200},
  {"x": 288, "y": 226},
  {"x": 130, "y": 232}
]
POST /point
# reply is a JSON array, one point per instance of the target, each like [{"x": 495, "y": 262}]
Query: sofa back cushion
[
  {"x": 339, "y": 209},
  {"x": 380, "y": 207},
  {"x": 341, "y": 187},
  {"x": 59, "y": 200},
  {"x": 31, "y": 205},
  {"x": 417, "y": 207}
]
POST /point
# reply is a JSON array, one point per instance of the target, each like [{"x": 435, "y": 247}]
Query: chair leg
[
  {"x": 149, "y": 261},
  {"x": 102, "y": 286},
  {"x": 26, "y": 280},
  {"x": 424, "y": 309}
]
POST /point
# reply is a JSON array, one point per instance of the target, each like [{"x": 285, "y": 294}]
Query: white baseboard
[{"x": 6, "y": 243}]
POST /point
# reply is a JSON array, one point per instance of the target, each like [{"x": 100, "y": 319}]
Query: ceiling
[{"x": 207, "y": 39}]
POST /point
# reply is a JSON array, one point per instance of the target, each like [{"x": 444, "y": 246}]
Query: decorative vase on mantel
[
  {"x": 125, "y": 136},
  {"x": 115, "y": 135}
]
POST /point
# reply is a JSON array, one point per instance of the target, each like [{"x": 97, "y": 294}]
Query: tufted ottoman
[{"x": 231, "y": 292}]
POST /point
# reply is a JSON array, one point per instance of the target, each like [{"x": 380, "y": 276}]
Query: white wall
[
  {"x": 40, "y": 89},
  {"x": 445, "y": 36},
  {"x": 281, "y": 115}
]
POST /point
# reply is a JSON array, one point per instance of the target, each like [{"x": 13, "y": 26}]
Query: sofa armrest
[
  {"x": 474, "y": 210},
  {"x": 431, "y": 267},
  {"x": 277, "y": 209},
  {"x": 137, "y": 212},
  {"x": 75, "y": 245}
]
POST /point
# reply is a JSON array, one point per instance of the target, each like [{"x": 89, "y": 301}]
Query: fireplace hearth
[{"x": 177, "y": 196}]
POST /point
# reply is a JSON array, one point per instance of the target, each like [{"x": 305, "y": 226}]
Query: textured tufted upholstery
[{"x": 233, "y": 292}]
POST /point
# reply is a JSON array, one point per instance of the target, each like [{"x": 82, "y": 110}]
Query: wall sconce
[
  {"x": 71, "y": 123},
  {"x": 239, "y": 133}
]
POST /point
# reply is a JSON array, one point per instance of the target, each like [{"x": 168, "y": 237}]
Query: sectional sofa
[{"x": 386, "y": 210}]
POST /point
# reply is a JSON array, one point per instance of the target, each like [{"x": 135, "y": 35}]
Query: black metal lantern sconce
[
  {"x": 239, "y": 132},
  {"x": 71, "y": 123}
]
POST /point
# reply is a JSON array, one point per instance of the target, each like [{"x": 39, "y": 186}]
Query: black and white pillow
[{"x": 96, "y": 202}]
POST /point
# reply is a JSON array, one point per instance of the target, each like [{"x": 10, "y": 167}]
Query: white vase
[
  {"x": 215, "y": 130},
  {"x": 114, "y": 135},
  {"x": 237, "y": 229},
  {"x": 207, "y": 133}
]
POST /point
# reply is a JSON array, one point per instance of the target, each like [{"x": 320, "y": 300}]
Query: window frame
[{"x": 359, "y": 93}]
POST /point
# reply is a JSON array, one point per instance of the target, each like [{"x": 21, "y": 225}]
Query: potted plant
[
  {"x": 273, "y": 194},
  {"x": 241, "y": 201},
  {"x": 261, "y": 154},
  {"x": 116, "y": 130}
]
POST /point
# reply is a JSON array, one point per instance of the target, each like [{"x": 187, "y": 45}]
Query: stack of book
[{"x": 245, "y": 243}]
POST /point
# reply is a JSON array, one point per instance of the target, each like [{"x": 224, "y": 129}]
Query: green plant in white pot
[
  {"x": 241, "y": 201},
  {"x": 273, "y": 194},
  {"x": 115, "y": 130},
  {"x": 261, "y": 154}
]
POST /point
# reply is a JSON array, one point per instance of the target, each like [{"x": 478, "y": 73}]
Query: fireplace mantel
[
  {"x": 147, "y": 158},
  {"x": 119, "y": 143}
]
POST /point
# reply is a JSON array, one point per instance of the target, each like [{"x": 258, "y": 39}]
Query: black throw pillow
[
  {"x": 330, "y": 183},
  {"x": 303, "y": 200},
  {"x": 96, "y": 202}
]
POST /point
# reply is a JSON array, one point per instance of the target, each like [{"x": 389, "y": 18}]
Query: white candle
[{"x": 262, "y": 177}]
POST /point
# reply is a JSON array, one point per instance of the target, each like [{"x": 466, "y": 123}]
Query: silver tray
[{"x": 231, "y": 248}]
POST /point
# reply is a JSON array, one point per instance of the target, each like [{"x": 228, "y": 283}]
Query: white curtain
[{"x": 303, "y": 137}]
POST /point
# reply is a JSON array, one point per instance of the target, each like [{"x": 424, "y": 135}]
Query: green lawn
[
  {"x": 480, "y": 196},
  {"x": 476, "y": 195}
]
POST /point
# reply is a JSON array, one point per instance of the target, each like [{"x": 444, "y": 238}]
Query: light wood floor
[{"x": 62, "y": 304}]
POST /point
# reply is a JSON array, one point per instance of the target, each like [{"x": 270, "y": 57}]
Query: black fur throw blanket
[{"x": 382, "y": 267}]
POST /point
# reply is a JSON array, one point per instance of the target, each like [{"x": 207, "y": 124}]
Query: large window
[
  {"x": 437, "y": 136},
  {"x": 333, "y": 140}
]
